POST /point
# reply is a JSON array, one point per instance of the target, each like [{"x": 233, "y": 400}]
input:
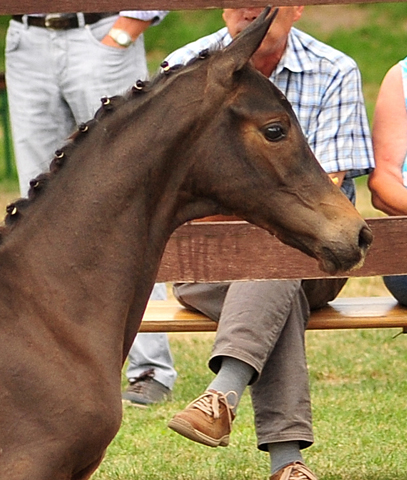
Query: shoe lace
[
  {"x": 297, "y": 471},
  {"x": 209, "y": 403},
  {"x": 138, "y": 384},
  {"x": 299, "y": 476}
]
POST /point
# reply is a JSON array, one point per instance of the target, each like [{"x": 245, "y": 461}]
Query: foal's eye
[{"x": 274, "y": 132}]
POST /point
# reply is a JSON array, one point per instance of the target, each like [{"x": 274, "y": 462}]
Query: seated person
[
  {"x": 260, "y": 338},
  {"x": 388, "y": 181}
]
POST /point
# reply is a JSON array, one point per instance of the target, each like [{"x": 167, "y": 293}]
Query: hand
[
  {"x": 133, "y": 26},
  {"x": 337, "y": 178},
  {"x": 108, "y": 40}
]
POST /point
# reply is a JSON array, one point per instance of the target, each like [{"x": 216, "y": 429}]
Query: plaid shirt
[{"x": 324, "y": 88}]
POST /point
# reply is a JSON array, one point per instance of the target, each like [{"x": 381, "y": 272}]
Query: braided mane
[{"x": 16, "y": 210}]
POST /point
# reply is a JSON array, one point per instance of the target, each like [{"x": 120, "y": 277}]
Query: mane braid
[{"x": 17, "y": 210}]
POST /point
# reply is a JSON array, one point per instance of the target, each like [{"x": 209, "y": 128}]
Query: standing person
[
  {"x": 150, "y": 372},
  {"x": 58, "y": 66},
  {"x": 260, "y": 337},
  {"x": 388, "y": 182}
]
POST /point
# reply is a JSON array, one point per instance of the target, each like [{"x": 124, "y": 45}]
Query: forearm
[
  {"x": 133, "y": 26},
  {"x": 388, "y": 194}
]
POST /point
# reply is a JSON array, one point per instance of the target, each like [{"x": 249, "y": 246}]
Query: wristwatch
[{"x": 121, "y": 37}]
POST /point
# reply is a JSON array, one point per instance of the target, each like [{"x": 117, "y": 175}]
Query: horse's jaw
[{"x": 335, "y": 255}]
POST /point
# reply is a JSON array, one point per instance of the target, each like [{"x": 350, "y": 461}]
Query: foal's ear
[{"x": 248, "y": 41}]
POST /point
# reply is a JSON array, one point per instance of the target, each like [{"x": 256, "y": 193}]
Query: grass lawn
[{"x": 358, "y": 383}]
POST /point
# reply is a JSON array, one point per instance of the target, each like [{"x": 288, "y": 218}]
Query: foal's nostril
[{"x": 365, "y": 238}]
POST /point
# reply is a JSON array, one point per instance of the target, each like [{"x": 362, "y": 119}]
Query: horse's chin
[
  {"x": 329, "y": 260},
  {"x": 330, "y": 263}
]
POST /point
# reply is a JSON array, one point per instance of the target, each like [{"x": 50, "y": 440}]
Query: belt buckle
[{"x": 51, "y": 20}]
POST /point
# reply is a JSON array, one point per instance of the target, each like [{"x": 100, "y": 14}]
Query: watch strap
[{"x": 121, "y": 37}]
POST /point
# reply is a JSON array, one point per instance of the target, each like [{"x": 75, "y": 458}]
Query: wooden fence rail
[
  {"x": 52, "y": 6},
  {"x": 210, "y": 252}
]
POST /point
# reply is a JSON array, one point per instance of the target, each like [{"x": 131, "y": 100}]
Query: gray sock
[
  {"x": 281, "y": 454},
  {"x": 234, "y": 375}
]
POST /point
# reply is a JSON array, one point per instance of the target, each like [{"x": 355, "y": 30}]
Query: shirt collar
[{"x": 295, "y": 57}]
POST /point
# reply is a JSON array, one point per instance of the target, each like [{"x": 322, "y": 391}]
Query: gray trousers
[
  {"x": 263, "y": 324},
  {"x": 152, "y": 350},
  {"x": 55, "y": 79}
]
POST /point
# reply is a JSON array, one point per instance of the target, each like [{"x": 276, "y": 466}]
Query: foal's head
[{"x": 252, "y": 160}]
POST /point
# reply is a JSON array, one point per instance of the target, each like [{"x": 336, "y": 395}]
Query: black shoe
[{"x": 144, "y": 390}]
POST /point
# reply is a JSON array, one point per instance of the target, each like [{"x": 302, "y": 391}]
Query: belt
[{"x": 61, "y": 21}]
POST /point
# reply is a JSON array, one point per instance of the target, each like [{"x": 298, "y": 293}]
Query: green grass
[
  {"x": 373, "y": 34},
  {"x": 358, "y": 384}
]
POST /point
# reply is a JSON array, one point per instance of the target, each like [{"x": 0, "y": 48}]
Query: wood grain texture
[
  {"x": 230, "y": 251},
  {"x": 29, "y": 6}
]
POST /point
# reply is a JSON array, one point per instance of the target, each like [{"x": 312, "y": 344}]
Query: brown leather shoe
[
  {"x": 294, "y": 471},
  {"x": 207, "y": 420}
]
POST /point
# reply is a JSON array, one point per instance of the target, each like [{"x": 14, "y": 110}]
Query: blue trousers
[{"x": 397, "y": 286}]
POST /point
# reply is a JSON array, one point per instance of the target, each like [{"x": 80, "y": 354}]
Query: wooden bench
[
  {"x": 200, "y": 252},
  {"x": 342, "y": 313}
]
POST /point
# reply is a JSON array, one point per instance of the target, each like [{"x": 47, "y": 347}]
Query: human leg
[
  {"x": 70, "y": 70},
  {"x": 151, "y": 371},
  {"x": 210, "y": 299},
  {"x": 320, "y": 291},
  {"x": 207, "y": 298},
  {"x": 281, "y": 399},
  {"x": 283, "y": 420},
  {"x": 250, "y": 326},
  {"x": 274, "y": 345},
  {"x": 40, "y": 119},
  {"x": 98, "y": 70},
  {"x": 397, "y": 286},
  {"x": 249, "y": 323}
]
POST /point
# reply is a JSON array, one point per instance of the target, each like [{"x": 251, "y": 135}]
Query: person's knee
[
  {"x": 206, "y": 298},
  {"x": 180, "y": 292}
]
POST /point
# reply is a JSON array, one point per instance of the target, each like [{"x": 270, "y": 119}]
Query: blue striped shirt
[{"x": 325, "y": 89}]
